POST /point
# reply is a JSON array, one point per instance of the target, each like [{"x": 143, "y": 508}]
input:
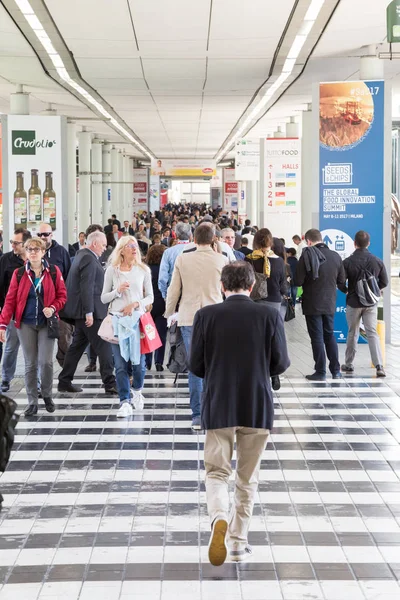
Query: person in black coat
[
  {"x": 153, "y": 260},
  {"x": 236, "y": 364},
  {"x": 84, "y": 286},
  {"x": 320, "y": 271}
]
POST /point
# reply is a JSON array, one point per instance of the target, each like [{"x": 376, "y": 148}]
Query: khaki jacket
[{"x": 196, "y": 282}]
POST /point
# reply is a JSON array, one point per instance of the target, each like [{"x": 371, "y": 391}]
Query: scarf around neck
[{"x": 265, "y": 254}]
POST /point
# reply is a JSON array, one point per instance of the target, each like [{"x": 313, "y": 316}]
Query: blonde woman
[{"x": 127, "y": 287}]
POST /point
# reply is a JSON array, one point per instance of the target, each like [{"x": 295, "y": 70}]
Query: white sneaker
[
  {"x": 125, "y": 410},
  {"x": 137, "y": 399}
]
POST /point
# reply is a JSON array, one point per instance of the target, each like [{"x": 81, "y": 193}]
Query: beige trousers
[{"x": 218, "y": 451}]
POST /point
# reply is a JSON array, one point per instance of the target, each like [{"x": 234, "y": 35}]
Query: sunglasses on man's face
[{"x": 45, "y": 234}]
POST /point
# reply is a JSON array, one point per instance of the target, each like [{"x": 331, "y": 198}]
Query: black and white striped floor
[{"x": 116, "y": 508}]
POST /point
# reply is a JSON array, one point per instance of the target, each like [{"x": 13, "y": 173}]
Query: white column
[
  {"x": 106, "y": 155},
  {"x": 19, "y": 102},
  {"x": 114, "y": 185},
  {"x": 84, "y": 215},
  {"x": 125, "y": 214},
  {"x": 292, "y": 129},
  {"x": 97, "y": 191},
  {"x": 71, "y": 169},
  {"x": 307, "y": 148},
  {"x": 252, "y": 201},
  {"x": 120, "y": 209},
  {"x": 129, "y": 188},
  {"x": 279, "y": 133},
  {"x": 371, "y": 67}
]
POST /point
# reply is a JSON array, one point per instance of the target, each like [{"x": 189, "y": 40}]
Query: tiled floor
[{"x": 116, "y": 509}]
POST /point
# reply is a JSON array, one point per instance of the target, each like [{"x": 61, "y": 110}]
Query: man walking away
[
  {"x": 292, "y": 262},
  {"x": 238, "y": 408},
  {"x": 320, "y": 271},
  {"x": 357, "y": 267},
  {"x": 8, "y": 263},
  {"x": 195, "y": 283},
  {"x": 84, "y": 286},
  {"x": 184, "y": 235},
  {"x": 300, "y": 245}
]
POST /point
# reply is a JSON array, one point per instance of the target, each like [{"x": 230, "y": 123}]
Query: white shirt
[
  {"x": 140, "y": 287},
  {"x": 299, "y": 249}
]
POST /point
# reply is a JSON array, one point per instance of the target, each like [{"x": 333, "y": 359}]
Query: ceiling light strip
[
  {"x": 290, "y": 62},
  {"x": 59, "y": 65}
]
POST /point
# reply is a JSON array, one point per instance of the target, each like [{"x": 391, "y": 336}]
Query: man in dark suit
[
  {"x": 85, "y": 285},
  {"x": 238, "y": 406},
  {"x": 109, "y": 227},
  {"x": 81, "y": 243},
  {"x": 320, "y": 271},
  {"x": 127, "y": 228}
]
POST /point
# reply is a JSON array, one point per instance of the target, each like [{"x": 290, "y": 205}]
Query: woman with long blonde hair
[{"x": 127, "y": 287}]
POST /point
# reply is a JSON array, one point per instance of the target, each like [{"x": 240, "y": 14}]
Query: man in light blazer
[{"x": 236, "y": 347}]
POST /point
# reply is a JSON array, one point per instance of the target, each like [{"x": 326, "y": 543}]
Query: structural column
[
  {"x": 121, "y": 185},
  {"x": 97, "y": 191},
  {"x": 106, "y": 155},
  {"x": 114, "y": 178},
  {"x": 125, "y": 214},
  {"x": 129, "y": 188},
  {"x": 307, "y": 152},
  {"x": 292, "y": 129},
  {"x": 71, "y": 169},
  {"x": 84, "y": 213}
]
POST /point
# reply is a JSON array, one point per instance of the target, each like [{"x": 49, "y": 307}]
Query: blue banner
[{"x": 351, "y": 136}]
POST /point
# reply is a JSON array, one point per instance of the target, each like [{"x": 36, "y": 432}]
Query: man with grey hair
[
  {"x": 84, "y": 286},
  {"x": 184, "y": 235},
  {"x": 229, "y": 237}
]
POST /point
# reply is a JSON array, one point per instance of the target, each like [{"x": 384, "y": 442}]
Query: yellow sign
[{"x": 183, "y": 168}]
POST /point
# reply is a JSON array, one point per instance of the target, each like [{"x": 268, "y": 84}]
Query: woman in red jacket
[{"x": 35, "y": 294}]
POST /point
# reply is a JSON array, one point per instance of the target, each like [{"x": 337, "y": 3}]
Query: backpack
[
  {"x": 8, "y": 422},
  {"x": 260, "y": 289},
  {"x": 53, "y": 273},
  {"x": 177, "y": 361},
  {"x": 367, "y": 289}
]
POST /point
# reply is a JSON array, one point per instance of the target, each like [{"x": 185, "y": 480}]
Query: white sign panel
[
  {"x": 34, "y": 172},
  {"x": 231, "y": 190},
  {"x": 247, "y": 159},
  {"x": 183, "y": 167},
  {"x": 154, "y": 194},
  {"x": 282, "y": 186},
  {"x": 140, "y": 190}
]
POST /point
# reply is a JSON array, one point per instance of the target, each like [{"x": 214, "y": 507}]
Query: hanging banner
[
  {"x": 165, "y": 186},
  {"x": 183, "y": 168},
  {"x": 351, "y": 135},
  {"x": 231, "y": 190},
  {"x": 282, "y": 186},
  {"x": 242, "y": 205},
  {"x": 247, "y": 159},
  {"x": 34, "y": 175},
  {"x": 154, "y": 194},
  {"x": 140, "y": 190}
]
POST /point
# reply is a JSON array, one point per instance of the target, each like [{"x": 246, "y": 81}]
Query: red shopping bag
[{"x": 149, "y": 338}]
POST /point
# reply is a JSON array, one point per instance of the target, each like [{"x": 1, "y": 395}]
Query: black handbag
[
  {"x": 290, "y": 310},
  {"x": 53, "y": 327}
]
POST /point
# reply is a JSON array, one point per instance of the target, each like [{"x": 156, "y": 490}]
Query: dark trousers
[
  {"x": 82, "y": 337},
  {"x": 320, "y": 330},
  {"x": 161, "y": 325},
  {"x": 64, "y": 341}
]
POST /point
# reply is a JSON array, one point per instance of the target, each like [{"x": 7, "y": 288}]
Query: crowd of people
[{"x": 226, "y": 284}]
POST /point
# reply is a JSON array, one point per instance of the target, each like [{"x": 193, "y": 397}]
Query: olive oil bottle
[
  {"x": 49, "y": 201},
  {"x": 20, "y": 205},
  {"x": 35, "y": 199}
]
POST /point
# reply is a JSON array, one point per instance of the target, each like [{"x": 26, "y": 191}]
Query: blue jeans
[
  {"x": 10, "y": 353},
  {"x": 293, "y": 293},
  {"x": 195, "y": 383},
  {"x": 122, "y": 374}
]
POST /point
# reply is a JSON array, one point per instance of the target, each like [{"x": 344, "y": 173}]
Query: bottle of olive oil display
[
  {"x": 49, "y": 201},
  {"x": 35, "y": 199},
  {"x": 20, "y": 204}
]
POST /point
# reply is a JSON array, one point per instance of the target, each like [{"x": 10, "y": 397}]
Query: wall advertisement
[
  {"x": 282, "y": 186},
  {"x": 351, "y": 155},
  {"x": 247, "y": 159},
  {"x": 154, "y": 193},
  {"x": 34, "y": 173},
  {"x": 140, "y": 190},
  {"x": 231, "y": 190},
  {"x": 183, "y": 168}
]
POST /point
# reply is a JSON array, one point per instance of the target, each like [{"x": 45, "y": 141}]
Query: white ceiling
[{"x": 180, "y": 75}]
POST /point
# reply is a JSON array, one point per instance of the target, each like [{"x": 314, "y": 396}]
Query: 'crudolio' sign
[{"x": 25, "y": 142}]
